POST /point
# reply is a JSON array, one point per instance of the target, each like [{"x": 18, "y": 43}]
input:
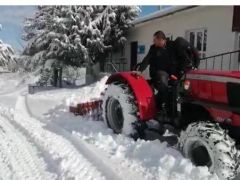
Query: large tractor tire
[
  {"x": 207, "y": 144},
  {"x": 119, "y": 109}
]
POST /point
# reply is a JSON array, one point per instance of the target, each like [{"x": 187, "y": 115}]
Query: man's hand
[
  {"x": 136, "y": 68},
  {"x": 138, "y": 73}
]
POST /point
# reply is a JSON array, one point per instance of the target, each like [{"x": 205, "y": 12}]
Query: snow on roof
[{"x": 161, "y": 13}]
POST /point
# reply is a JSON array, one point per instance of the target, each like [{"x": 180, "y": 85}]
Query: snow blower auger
[
  {"x": 93, "y": 108},
  {"x": 203, "y": 109}
]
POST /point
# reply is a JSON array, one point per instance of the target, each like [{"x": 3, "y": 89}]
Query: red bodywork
[
  {"x": 206, "y": 86},
  {"x": 142, "y": 92},
  {"x": 210, "y": 87}
]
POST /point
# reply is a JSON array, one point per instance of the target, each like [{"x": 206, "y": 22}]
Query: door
[
  {"x": 134, "y": 51},
  {"x": 238, "y": 48},
  {"x": 236, "y": 19}
]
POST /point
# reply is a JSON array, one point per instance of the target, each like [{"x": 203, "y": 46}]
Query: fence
[{"x": 223, "y": 61}]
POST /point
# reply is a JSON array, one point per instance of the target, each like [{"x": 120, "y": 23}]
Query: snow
[
  {"x": 84, "y": 95},
  {"x": 40, "y": 139}
]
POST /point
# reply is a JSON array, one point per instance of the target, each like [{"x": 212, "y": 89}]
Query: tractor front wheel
[{"x": 119, "y": 108}]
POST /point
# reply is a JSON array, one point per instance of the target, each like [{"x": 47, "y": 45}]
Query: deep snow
[{"x": 40, "y": 139}]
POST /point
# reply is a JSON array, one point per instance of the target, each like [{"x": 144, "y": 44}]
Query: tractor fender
[{"x": 142, "y": 91}]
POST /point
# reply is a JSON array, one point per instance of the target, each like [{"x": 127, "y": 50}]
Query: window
[
  {"x": 169, "y": 36},
  {"x": 198, "y": 39}
]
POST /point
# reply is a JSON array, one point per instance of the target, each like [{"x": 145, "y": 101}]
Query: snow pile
[
  {"x": 152, "y": 159},
  {"x": 88, "y": 93}
]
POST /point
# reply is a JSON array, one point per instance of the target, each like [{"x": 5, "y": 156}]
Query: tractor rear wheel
[
  {"x": 207, "y": 144},
  {"x": 119, "y": 108}
]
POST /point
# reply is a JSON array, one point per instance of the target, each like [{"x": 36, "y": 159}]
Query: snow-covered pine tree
[
  {"x": 119, "y": 26},
  {"x": 7, "y": 58},
  {"x": 76, "y": 35},
  {"x": 35, "y": 33}
]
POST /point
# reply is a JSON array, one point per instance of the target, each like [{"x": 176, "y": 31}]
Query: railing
[
  {"x": 223, "y": 61},
  {"x": 116, "y": 66},
  {"x": 110, "y": 67}
]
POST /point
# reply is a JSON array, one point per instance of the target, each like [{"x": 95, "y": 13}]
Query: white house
[{"x": 212, "y": 29}]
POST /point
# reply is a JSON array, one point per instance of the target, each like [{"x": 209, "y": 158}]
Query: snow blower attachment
[{"x": 92, "y": 107}]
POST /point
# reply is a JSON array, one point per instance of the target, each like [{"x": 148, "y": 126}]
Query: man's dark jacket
[
  {"x": 174, "y": 58},
  {"x": 159, "y": 59}
]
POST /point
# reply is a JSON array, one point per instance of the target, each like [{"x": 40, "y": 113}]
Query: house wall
[{"x": 216, "y": 19}]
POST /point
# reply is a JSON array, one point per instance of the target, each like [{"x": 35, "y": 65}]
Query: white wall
[{"x": 217, "y": 20}]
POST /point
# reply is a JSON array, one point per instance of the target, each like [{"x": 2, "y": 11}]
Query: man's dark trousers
[{"x": 160, "y": 82}]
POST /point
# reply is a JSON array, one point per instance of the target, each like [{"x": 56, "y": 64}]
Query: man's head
[{"x": 159, "y": 39}]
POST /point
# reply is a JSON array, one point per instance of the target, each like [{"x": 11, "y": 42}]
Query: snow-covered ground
[{"x": 40, "y": 139}]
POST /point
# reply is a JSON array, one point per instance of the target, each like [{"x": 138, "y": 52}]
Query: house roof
[{"x": 161, "y": 13}]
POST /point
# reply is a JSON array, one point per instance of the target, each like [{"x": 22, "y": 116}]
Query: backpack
[{"x": 186, "y": 55}]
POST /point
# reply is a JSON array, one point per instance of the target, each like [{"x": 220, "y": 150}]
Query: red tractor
[{"x": 204, "y": 106}]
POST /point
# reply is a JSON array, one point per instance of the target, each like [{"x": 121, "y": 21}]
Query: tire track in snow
[
  {"x": 115, "y": 164},
  {"x": 49, "y": 162},
  {"x": 73, "y": 163},
  {"x": 107, "y": 165},
  {"x": 4, "y": 165},
  {"x": 110, "y": 167},
  {"x": 20, "y": 157}
]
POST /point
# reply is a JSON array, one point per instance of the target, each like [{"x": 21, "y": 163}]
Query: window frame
[
  {"x": 169, "y": 36},
  {"x": 202, "y": 52}
]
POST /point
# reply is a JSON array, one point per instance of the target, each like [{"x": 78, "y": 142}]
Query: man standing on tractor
[
  {"x": 166, "y": 58},
  {"x": 160, "y": 58}
]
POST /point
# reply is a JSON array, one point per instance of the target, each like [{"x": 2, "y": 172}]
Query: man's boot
[
  {"x": 164, "y": 109},
  {"x": 162, "y": 115}
]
